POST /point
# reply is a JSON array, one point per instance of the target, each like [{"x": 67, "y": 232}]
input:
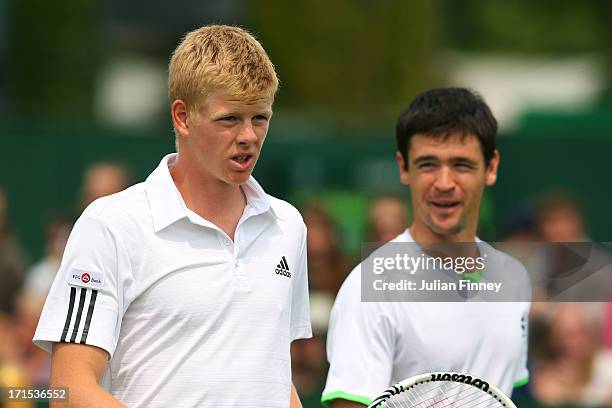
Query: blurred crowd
[
  {"x": 570, "y": 343},
  {"x": 25, "y": 285}
]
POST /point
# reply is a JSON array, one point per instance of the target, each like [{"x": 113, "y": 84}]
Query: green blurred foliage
[
  {"x": 604, "y": 17},
  {"x": 350, "y": 61},
  {"x": 354, "y": 60},
  {"x": 53, "y": 58},
  {"x": 526, "y": 26},
  {"x": 541, "y": 28}
]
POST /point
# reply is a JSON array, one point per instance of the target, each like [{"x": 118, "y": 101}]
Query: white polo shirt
[
  {"x": 188, "y": 316},
  {"x": 372, "y": 345}
]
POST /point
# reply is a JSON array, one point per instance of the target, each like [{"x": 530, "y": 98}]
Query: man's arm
[
  {"x": 342, "y": 403},
  {"x": 79, "y": 367}
]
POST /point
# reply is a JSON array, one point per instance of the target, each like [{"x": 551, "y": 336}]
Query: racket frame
[{"x": 453, "y": 377}]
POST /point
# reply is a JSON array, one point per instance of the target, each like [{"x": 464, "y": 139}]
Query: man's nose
[
  {"x": 247, "y": 134},
  {"x": 445, "y": 180}
]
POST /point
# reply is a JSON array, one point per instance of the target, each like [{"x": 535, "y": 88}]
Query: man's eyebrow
[
  {"x": 267, "y": 112},
  {"x": 234, "y": 112},
  {"x": 421, "y": 159},
  {"x": 462, "y": 159},
  {"x": 456, "y": 159},
  {"x": 223, "y": 113}
]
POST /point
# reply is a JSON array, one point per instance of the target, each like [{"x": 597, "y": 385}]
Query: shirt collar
[
  {"x": 257, "y": 198},
  {"x": 167, "y": 205}
]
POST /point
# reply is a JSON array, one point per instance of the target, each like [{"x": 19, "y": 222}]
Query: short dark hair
[{"x": 442, "y": 112}]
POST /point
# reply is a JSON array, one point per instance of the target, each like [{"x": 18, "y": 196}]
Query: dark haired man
[{"x": 446, "y": 156}]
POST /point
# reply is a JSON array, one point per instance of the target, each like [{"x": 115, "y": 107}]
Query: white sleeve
[
  {"x": 360, "y": 346},
  {"x": 85, "y": 303},
  {"x": 300, "y": 305},
  {"x": 521, "y": 376}
]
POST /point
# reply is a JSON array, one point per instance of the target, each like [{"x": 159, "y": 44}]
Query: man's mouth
[
  {"x": 242, "y": 162},
  {"x": 445, "y": 204},
  {"x": 241, "y": 159}
]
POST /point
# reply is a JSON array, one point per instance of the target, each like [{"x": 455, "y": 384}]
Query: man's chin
[
  {"x": 239, "y": 178},
  {"x": 446, "y": 229}
]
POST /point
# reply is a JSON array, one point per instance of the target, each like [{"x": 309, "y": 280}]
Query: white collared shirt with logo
[
  {"x": 188, "y": 316},
  {"x": 373, "y": 345}
]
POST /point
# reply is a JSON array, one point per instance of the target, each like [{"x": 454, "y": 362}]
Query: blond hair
[{"x": 220, "y": 58}]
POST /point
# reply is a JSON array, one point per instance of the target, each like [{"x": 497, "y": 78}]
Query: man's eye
[
  {"x": 464, "y": 166},
  {"x": 229, "y": 118},
  {"x": 261, "y": 118},
  {"x": 426, "y": 166}
]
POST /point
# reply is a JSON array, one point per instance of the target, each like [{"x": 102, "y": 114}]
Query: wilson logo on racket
[
  {"x": 434, "y": 390},
  {"x": 462, "y": 378},
  {"x": 283, "y": 268}
]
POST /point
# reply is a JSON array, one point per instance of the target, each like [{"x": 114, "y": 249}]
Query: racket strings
[
  {"x": 441, "y": 389},
  {"x": 442, "y": 395},
  {"x": 480, "y": 395},
  {"x": 418, "y": 397}
]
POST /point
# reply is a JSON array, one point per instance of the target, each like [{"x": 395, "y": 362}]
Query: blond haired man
[{"x": 187, "y": 289}]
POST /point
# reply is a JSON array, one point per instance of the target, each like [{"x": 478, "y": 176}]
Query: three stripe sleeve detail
[
  {"x": 92, "y": 303},
  {"x": 79, "y": 315}
]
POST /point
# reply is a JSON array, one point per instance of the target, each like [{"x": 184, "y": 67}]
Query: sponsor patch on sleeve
[{"x": 85, "y": 279}]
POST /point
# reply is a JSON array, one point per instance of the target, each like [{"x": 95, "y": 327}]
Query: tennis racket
[{"x": 442, "y": 389}]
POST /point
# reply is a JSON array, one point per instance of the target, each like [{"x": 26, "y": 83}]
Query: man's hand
[{"x": 79, "y": 368}]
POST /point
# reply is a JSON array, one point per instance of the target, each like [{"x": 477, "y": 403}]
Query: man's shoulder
[
  {"x": 502, "y": 259},
  {"x": 506, "y": 269},
  {"x": 116, "y": 209},
  {"x": 284, "y": 210},
  {"x": 351, "y": 287}
]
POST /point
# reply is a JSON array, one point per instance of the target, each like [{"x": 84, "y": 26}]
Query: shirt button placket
[{"x": 239, "y": 277}]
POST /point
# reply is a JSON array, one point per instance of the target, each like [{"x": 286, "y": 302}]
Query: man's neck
[
  {"x": 435, "y": 244},
  {"x": 424, "y": 235},
  {"x": 218, "y": 202}
]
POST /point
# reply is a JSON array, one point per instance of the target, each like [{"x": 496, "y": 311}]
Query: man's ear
[
  {"x": 491, "y": 176},
  {"x": 403, "y": 168},
  {"x": 180, "y": 116}
]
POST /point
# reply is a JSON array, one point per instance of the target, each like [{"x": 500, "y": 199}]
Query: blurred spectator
[
  {"x": 327, "y": 268},
  {"x": 308, "y": 361},
  {"x": 327, "y": 264},
  {"x": 521, "y": 226},
  {"x": 309, "y": 367},
  {"x": 574, "y": 369},
  {"x": 387, "y": 218},
  {"x": 40, "y": 276},
  {"x": 11, "y": 276},
  {"x": 12, "y": 373},
  {"x": 102, "y": 179},
  {"x": 560, "y": 219},
  {"x": 519, "y": 234},
  {"x": 35, "y": 362},
  {"x": 12, "y": 263},
  {"x": 566, "y": 359}
]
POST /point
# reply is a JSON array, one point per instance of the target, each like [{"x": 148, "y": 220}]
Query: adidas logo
[{"x": 283, "y": 268}]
